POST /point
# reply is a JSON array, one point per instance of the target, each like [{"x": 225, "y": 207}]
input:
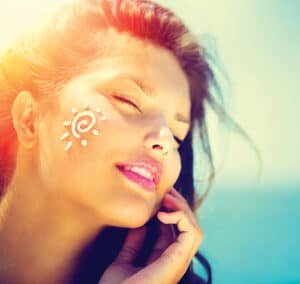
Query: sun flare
[{"x": 19, "y": 16}]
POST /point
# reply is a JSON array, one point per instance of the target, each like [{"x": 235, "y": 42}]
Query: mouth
[
  {"x": 143, "y": 182},
  {"x": 144, "y": 172}
]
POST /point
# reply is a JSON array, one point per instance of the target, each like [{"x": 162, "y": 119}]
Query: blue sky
[{"x": 258, "y": 43}]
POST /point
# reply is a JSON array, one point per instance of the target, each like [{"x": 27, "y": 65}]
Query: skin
[{"x": 59, "y": 201}]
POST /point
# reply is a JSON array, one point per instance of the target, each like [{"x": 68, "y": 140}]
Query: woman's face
[{"x": 83, "y": 172}]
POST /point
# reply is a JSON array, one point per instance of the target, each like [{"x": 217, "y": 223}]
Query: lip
[
  {"x": 155, "y": 168},
  {"x": 142, "y": 182}
]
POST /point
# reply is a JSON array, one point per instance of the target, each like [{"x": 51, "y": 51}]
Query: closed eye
[{"x": 126, "y": 101}]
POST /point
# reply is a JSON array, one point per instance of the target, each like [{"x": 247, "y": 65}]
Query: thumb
[{"x": 132, "y": 245}]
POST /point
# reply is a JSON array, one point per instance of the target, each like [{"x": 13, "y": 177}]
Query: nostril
[{"x": 157, "y": 146}]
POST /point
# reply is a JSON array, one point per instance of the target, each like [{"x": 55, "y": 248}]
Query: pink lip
[
  {"x": 138, "y": 179},
  {"x": 150, "y": 165}
]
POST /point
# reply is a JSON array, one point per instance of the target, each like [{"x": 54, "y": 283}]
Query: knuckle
[
  {"x": 181, "y": 214},
  {"x": 199, "y": 235},
  {"x": 180, "y": 253}
]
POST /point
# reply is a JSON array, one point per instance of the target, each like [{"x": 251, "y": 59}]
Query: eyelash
[{"x": 126, "y": 101}]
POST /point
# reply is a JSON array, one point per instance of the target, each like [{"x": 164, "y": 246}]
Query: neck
[{"x": 42, "y": 235}]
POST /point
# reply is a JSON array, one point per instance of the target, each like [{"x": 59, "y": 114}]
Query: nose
[{"x": 159, "y": 142}]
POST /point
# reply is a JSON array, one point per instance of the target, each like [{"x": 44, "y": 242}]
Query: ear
[{"x": 24, "y": 114}]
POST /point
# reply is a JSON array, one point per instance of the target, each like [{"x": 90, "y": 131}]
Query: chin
[{"x": 132, "y": 219}]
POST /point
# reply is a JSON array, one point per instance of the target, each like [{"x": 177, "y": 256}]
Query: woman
[{"x": 97, "y": 114}]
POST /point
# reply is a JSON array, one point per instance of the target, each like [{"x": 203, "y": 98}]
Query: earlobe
[{"x": 24, "y": 114}]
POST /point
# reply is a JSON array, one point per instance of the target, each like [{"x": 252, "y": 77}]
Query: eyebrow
[{"x": 149, "y": 91}]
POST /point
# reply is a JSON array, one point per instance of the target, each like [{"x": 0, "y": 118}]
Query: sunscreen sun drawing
[{"x": 81, "y": 123}]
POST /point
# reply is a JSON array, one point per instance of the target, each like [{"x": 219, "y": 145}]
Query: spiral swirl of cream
[{"x": 83, "y": 122}]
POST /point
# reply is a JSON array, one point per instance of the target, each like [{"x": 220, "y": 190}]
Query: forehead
[{"x": 155, "y": 66}]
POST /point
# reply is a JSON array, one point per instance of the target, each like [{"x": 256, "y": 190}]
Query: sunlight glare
[{"x": 17, "y": 16}]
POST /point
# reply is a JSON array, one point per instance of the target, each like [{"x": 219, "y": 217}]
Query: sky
[{"x": 258, "y": 45}]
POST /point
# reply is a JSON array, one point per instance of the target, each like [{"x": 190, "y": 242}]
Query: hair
[{"x": 44, "y": 61}]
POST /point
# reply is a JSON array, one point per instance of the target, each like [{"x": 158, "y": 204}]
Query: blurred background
[{"x": 250, "y": 221}]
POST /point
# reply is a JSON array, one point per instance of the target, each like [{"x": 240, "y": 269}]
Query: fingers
[
  {"x": 189, "y": 237},
  {"x": 174, "y": 261},
  {"x": 191, "y": 234},
  {"x": 175, "y": 203},
  {"x": 174, "y": 192},
  {"x": 169, "y": 259},
  {"x": 132, "y": 245},
  {"x": 167, "y": 234}
]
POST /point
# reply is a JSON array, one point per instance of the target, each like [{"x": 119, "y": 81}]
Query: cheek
[
  {"x": 172, "y": 172},
  {"x": 176, "y": 162},
  {"x": 50, "y": 146},
  {"x": 77, "y": 149}
]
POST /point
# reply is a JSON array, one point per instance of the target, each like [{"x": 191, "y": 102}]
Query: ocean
[{"x": 252, "y": 234}]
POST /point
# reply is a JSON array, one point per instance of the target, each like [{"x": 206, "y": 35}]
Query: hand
[{"x": 170, "y": 256}]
